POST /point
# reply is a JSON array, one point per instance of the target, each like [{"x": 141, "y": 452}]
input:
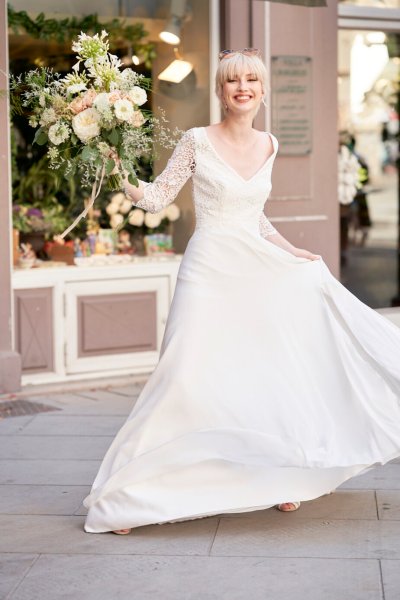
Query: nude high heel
[
  {"x": 296, "y": 506},
  {"x": 122, "y": 531}
]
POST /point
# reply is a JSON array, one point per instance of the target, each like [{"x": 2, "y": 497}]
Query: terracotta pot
[{"x": 16, "y": 252}]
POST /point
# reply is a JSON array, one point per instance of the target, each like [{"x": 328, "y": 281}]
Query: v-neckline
[{"x": 222, "y": 160}]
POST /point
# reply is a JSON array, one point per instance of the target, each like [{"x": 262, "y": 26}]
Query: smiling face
[
  {"x": 242, "y": 93},
  {"x": 240, "y": 83}
]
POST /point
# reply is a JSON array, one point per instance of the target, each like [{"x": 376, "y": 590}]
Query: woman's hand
[{"x": 302, "y": 253}]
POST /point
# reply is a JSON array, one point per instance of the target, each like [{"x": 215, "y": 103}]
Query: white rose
[
  {"x": 86, "y": 124},
  {"x": 152, "y": 220},
  {"x": 137, "y": 95},
  {"x": 136, "y": 217},
  {"x": 123, "y": 110},
  {"x": 112, "y": 208},
  {"x": 125, "y": 206},
  {"x": 116, "y": 220},
  {"x": 172, "y": 212}
]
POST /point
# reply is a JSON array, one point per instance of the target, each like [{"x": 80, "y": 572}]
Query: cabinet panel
[
  {"x": 112, "y": 327},
  {"x": 117, "y": 323},
  {"x": 33, "y": 327}
]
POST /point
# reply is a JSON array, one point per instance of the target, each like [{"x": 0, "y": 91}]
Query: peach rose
[
  {"x": 137, "y": 119},
  {"x": 89, "y": 98},
  {"x": 77, "y": 105},
  {"x": 114, "y": 96}
]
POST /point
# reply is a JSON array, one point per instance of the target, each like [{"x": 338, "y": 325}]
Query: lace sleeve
[
  {"x": 266, "y": 227},
  {"x": 164, "y": 189}
]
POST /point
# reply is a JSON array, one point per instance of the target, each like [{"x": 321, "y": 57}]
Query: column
[{"x": 10, "y": 361}]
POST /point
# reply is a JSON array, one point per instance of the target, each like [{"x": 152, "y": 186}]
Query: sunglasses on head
[{"x": 248, "y": 51}]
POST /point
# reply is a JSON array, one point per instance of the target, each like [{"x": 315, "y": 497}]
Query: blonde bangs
[{"x": 235, "y": 65}]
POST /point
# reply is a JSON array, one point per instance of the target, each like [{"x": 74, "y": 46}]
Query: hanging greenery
[{"x": 64, "y": 30}]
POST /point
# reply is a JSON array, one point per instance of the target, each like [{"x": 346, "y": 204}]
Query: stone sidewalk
[{"x": 345, "y": 546}]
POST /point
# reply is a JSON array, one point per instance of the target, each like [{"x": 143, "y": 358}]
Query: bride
[{"x": 274, "y": 384}]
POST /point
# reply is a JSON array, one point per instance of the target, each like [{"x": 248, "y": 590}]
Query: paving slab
[
  {"x": 66, "y": 472},
  {"x": 109, "y": 396},
  {"x": 13, "y": 568},
  {"x": 386, "y": 477},
  {"x": 57, "y": 446},
  {"x": 75, "y": 404},
  {"x": 290, "y": 535},
  {"x": 388, "y": 505},
  {"x": 65, "y": 534},
  {"x": 42, "y": 499},
  {"x": 391, "y": 579},
  {"x": 342, "y": 504},
  {"x": 14, "y": 425},
  {"x": 60, "y": 424},
  {"x": 198, "y": 578}
]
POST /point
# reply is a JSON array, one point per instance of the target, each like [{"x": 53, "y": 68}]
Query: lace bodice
[{"x": 221, "y": 196}]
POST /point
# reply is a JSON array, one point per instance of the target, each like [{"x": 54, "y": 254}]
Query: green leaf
[
  {"x": 88, "y": 154},
  {"x": 40, "y": 137},
  {"x": 114, "y": 137},
  {"x": 133, "y": 180},
  {"x": 110, "y": 164}
]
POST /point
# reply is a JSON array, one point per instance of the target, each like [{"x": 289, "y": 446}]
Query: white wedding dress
[{"x": 274, "y": 382}]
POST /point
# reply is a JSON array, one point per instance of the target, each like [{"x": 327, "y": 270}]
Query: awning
[{"x": 299, "y": 2}]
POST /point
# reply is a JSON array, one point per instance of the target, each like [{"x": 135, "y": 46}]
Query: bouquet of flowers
[{"x": 91, "y": 117}]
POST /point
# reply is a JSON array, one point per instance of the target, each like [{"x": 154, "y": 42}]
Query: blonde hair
[{"x": 236, "y": 63}]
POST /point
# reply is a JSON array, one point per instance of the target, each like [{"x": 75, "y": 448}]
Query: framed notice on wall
[{"x": 291, "y": 80}]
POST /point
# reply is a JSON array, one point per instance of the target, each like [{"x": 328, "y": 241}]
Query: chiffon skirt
[{"x": 274, "y": 384}]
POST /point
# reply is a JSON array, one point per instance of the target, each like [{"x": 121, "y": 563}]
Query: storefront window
[
  {"x": 368, "y": 93},
  {"x": 373, "y": 3}
]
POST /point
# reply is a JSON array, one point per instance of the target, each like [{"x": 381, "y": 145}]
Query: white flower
[
  {"x": 172, "y": 212},
  {"x": 86, "y": 124},
  {"x": 116, "y": 220},
  {"x": 136, "y": 217},
  {"x": 123, "y": 110},
  {"x": 53, "y": 154},
  {"x": 137, "y": 95},
  {"x": 102, "y": 102},
  {"x": 118, "y": 198},
  {"x": 125, "y": 206},
  {"x": 112, "y": 208},
  {"x": 152, "y": 220},
  {"x": 42, "y": 100},
  {"x": 76, "y": 87},
  {"x": 48, "y": 116},
  {"x": 33, "y": 122},
  {"x": 58, "y": 133}
]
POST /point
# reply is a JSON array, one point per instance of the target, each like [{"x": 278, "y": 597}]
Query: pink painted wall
[{"x": 303, "y": 186}]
